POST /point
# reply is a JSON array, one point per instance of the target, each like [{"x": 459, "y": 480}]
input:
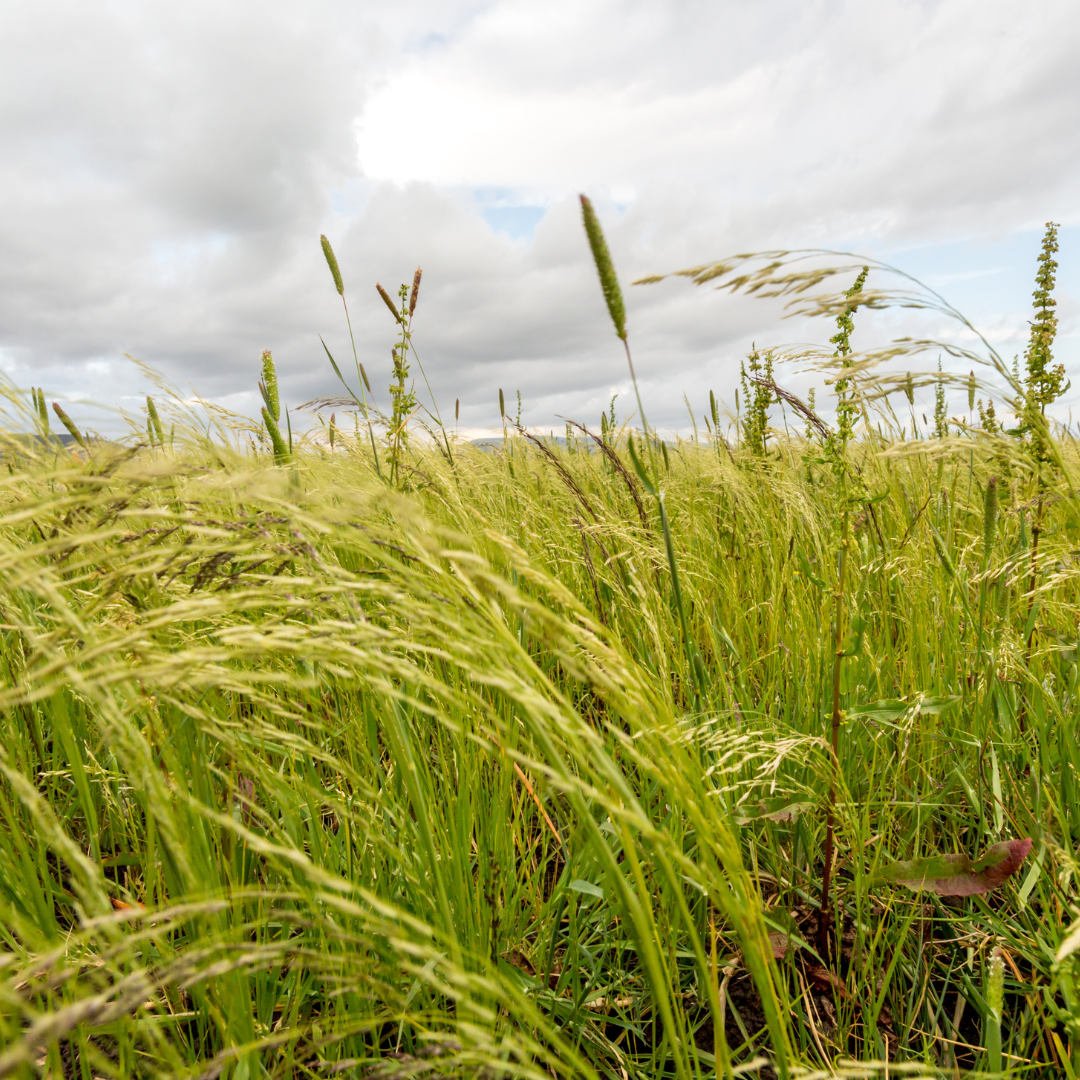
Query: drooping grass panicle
[
  {"x": 331, "y": 261},
  {"x": 68, "y": 423}
]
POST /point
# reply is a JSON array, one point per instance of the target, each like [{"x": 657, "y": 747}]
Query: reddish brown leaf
[{"x": 957, "y": 875}]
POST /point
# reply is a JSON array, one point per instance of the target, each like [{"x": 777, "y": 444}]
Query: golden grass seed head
[
  {"x": 605, "y": 268},
  {"x": 331, "y": 261}
]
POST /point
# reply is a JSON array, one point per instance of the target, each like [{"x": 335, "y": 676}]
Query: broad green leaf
[
  {"x": 958, "y": 875},
  {"x": 885, "y": 709}
]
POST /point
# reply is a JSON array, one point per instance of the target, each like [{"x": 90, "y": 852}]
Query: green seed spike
[
  {"x": 73, "y": 431},
  {"x": 604, "y": 267},
  {"x": 331, "y": 261},
  {"x": 457, "y": 409},
  {"x": 154, "y": 422},
  {"x": 388, "y": 302},
  {"x": 971, "y": 391},
  {"x": 363, "y": 375},
  {"x": 270, "y": 385},
  {"x": 43, "y": 412},
  {"x": 502, "y": 403},
  {"x": 909, "y": 389},
  {"x": 333, "y": 429},
  {"x": 281, "y": 451}
]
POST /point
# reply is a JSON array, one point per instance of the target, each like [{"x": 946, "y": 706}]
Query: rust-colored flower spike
[
  {"x": 388, "y": 302},
  {"x": 604, "y": 267},
  {"x": 415, "y": 291},
  {"x": 331, "y": 261}
]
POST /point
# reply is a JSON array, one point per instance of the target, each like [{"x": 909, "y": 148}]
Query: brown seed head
[
  {"x": 388, "y": 302},
  {"x": 415, "y": 291}
]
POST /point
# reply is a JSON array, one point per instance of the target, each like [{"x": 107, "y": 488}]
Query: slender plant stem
[{"x": 834, "y": 747}]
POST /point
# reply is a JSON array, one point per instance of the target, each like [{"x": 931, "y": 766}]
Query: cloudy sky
[{"x": 168, "y": 168}]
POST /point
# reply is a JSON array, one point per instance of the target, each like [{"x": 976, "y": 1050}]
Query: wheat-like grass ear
[
  {"x": 605, "y": 268},
  {"x": 331, "y": 261}
]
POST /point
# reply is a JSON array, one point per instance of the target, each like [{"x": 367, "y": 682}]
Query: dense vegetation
[{"x": 389, "y": 757}]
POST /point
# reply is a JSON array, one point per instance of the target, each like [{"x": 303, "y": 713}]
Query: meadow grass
[
  {"x": 538, "y": 761},
  {"x": 300, "y": 771}
]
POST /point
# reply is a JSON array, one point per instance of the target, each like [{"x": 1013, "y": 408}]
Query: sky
[{"x": 168, "y": 169}]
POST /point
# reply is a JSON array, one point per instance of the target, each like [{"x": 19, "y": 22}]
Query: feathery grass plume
[
  {"x": 269, "y": 385},
  {"x": 281, "y": 451},
  {"x": 331, "y": 261},
  {"x": 415, "y": 291},
  {"x": 73, "y": 431},
  {"x": 155, "y": 429},
  {"x": 605, "y": 268},
  {"x": 389, "y": 303}
]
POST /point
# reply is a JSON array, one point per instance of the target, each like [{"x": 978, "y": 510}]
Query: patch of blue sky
[
  {"x": 517, "y": 222},
  {"x": 992, "y": 275},
  {"x": 511, "y": 212}
]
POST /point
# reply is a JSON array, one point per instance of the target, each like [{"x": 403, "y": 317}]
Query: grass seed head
[
  {"x": 415, "y": 291},
  {"x": 154, "y": 422},
  {"x": 331, "y": 261},
  {"x": 604, "y": 267},
  {"x": 270, "y": 384},
  {"x": 66, "y": 420},
  {"x": 388, "y": 302}
]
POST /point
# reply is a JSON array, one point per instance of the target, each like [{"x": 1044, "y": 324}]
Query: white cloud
[{"x": 167, "y": 171}]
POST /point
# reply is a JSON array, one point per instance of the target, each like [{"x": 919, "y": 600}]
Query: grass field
[{"x": 533, "y": 762}]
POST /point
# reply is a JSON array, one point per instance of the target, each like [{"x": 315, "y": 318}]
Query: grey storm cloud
[{"x": 167, "y": 170}]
